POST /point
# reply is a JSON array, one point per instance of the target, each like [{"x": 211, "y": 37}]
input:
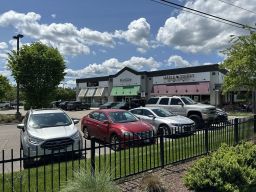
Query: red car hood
[{"x": 134, "y": 127}]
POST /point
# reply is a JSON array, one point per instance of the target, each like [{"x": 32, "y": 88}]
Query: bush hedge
[
  {"x": 7, "y": 118},
  {"x": 229, "y": 169}
]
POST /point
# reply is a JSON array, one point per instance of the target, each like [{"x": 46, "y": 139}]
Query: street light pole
[{"x": 18, "y": 37}]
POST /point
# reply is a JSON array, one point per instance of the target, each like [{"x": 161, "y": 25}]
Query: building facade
[{"x": 201, "y": 83}]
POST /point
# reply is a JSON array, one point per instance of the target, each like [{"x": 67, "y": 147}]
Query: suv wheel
[
  {"x": 27, "y": 162},
  {"x": 199, "y": 123}
]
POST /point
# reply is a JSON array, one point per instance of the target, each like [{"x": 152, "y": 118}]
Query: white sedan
[{"x": 171, "y": 123}]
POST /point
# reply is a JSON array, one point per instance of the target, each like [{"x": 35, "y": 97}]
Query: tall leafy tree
[
  {"x": 240, "y": 63},
  {"x": 65, "y": 94},
  {"x": 39, "y": 70},
  {"x": 5, "y": 87}
]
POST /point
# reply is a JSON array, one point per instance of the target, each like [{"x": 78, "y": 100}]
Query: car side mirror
[
  {"x": 76, "y": 121},
  {"x": 21, "y": 126},
  {"x": 180, "y": 103},
  {"x": 152, "y": 116}
]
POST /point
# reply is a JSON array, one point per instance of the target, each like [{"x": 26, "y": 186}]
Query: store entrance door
[{"x": 128, "y": 99}]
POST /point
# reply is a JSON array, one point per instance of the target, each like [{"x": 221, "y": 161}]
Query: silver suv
[
  {"x": 171, "y": 123},
  {"x": 48, "y": 131},
  {"x": 199, "y": 113}
]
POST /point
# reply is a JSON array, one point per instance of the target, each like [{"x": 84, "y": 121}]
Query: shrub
[
  {"x": 84, "y": 182},
  {"x": 152, "y": 183},
  {"x": 229, "y": 169},
  {"x": 4, "y": 118}
]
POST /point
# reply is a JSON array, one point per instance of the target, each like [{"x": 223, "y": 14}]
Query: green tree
[
  {"x": 65, "y": 94},
  {"x": 11, "y": 94},
  {"x": 240, "y": 63},
  {"x": 5, "y": 87},
  {"x": 39, "y": 70}
]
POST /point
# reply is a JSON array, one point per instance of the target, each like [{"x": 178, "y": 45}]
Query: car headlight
[
  {"x": 127, "y": 134},
  {"x": 76, "y": 136},
  {"x": 205, "y": 110},
  {"x": 175, "y": 125},
  {"x": 34, "y": 140}
]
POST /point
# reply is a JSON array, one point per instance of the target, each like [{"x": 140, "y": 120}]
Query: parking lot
[
  {"x": 10, "y": 138},
  {"x": 10, "y": 135}
]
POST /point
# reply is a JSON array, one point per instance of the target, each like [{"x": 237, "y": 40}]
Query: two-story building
[{"x": 201, "y": 83}]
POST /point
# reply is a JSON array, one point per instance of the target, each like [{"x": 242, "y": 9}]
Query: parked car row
[
  {"x": 6, "y": 105},
  {"x": 70, "y": 105},
  {"x": 47, "y": 131},
  {"x": 124, "y": 105}
]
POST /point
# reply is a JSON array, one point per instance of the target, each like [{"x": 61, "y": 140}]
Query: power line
[
  {"x": 162, "y": 3},
  {"x": 209, "y": 15},
  {"x": 237, "y": 6}
]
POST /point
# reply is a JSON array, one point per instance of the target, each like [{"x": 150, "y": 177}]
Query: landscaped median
[
  {"x": 8, "y": 118},
  {"x": 50, "y": 176}
]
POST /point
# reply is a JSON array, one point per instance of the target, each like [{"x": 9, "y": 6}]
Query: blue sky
[{"x": 101, "y": 37}]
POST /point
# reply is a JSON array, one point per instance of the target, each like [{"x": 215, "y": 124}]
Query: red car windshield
[{"x": 122, "y": 117}]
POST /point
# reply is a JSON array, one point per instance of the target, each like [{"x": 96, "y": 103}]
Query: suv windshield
[
  {"x": 188, "y": 101},
  {"x": 152, "y": 100},
  {"x": 162, "y": 113},
  {"x": 119, "y": 105},
  {"x": 109, "y": 104},
  {"x": 122, "y": 117},
  {"x": 48, "y": 120}
]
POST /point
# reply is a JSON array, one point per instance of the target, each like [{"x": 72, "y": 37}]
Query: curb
[{"x": 2, "y": 124}]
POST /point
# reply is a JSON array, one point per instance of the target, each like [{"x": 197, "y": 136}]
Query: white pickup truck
[{"x": 201, "y": 114}]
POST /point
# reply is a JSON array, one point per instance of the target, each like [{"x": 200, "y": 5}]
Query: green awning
[{"x": 125, "y": 91}]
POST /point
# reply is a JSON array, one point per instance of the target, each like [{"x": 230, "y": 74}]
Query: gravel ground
[{"x": 170, "y": 178}]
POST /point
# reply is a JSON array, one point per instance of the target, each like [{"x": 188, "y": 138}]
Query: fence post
[
  {"x": 92, "y": 156},
  {"x": 236, "y": 131},
  {"x": 254, "y": 123},
  {"x": 161, "y": 131},
  {"x": 206, "y": 140}
]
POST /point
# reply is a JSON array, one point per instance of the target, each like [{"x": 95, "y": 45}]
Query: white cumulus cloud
[
  {"x": 138, "y": 34},
  {"x": 69, "y": 39},
  {"x": 192, "y": 33},
  {"x": 112, "y": 66},
  {"x": 177, "y": 61},
  {"x": 65, "y": 36},
  {"x": 3, "y": 45}
]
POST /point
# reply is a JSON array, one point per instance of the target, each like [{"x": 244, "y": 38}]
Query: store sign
[
  {"x": 178, "y": 77},
  {"x": 125, "y": 80},
  {"x": 182, "y": 78}
]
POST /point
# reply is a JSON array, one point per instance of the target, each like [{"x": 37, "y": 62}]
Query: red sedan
[{"x": 114, "y": 125}]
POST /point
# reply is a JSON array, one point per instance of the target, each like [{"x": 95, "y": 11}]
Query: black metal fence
[{"x": 49, "y": 171}]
